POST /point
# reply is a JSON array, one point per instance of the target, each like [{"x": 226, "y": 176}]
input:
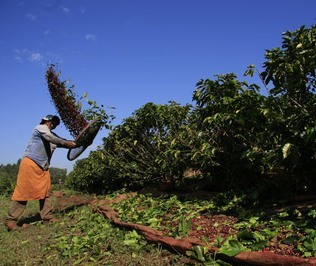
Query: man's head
[{"x": 52, "y": 120}]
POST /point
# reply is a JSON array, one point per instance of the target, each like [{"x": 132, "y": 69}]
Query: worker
[{"x": 33, "y": 180}]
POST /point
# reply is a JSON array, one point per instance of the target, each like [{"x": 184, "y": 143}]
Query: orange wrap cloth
[{"x": 33, "y": 183}]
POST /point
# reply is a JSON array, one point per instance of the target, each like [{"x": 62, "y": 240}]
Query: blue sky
[{"x": 125, "y": 53}]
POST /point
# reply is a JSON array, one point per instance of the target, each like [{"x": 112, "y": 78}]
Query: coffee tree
[
  {"x": 234, "y": 136},
  {"x": 290, "y": 71},
  {"x": 232, "y": 118},
  {"x": 144, "y": 150}
]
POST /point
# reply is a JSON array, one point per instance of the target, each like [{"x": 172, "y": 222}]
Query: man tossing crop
[{"x": 33, "y": 181}]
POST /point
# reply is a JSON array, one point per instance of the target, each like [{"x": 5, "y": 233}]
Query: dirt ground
[{"x": 205, "y": 226}]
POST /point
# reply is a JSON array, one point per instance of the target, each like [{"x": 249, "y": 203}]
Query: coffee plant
[
  {"x": 145, "y": 149},
  {"x": 233, "y": 138}
]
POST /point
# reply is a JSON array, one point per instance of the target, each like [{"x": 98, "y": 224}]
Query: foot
[
  {"x": 52, "y": 220},
  {"x": 49, "y": 218},
  {"x": 11, "y": 225}
]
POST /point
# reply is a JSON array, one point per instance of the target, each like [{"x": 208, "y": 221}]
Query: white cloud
[
  {"x": 82, "y": 10},
  {"x": 90, "y": 37},
  {"x": 18, "y": 59},
  {"x": 21, "y": 55},
  {"x": 46, "y": 32},
  {"x": 31, "y": 17},
  {"x": 18, "y": 55},
  {"x": 35, "y": 57},
  {"x": 66, "y": 10}
]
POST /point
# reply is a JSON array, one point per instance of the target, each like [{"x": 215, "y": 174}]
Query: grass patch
[{"x": 81, "y": 237}]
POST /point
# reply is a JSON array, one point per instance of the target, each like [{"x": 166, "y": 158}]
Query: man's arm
[{"x": 53, "y": 138}]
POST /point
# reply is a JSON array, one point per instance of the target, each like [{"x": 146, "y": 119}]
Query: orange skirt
[{"x": 33, "y": 183}]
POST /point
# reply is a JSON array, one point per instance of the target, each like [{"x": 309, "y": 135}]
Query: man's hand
[{"x": 70, "y": 144}]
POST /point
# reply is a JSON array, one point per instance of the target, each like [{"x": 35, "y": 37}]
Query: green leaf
[
  {"x": 199, "y": 253},
  {"x": 286, "y": 150},
  {"x": 245, "y": 235},
  {"x": 231, "y": 247},
  {"x": 130, "y": 242}
]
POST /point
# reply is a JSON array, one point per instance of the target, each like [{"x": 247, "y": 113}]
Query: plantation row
[{"x": 231, "y": 137}]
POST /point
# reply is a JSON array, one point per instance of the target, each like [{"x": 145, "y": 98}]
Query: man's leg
[
  {"x": 46, "y": 207},
  {"x": 15, "y": 211}
]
